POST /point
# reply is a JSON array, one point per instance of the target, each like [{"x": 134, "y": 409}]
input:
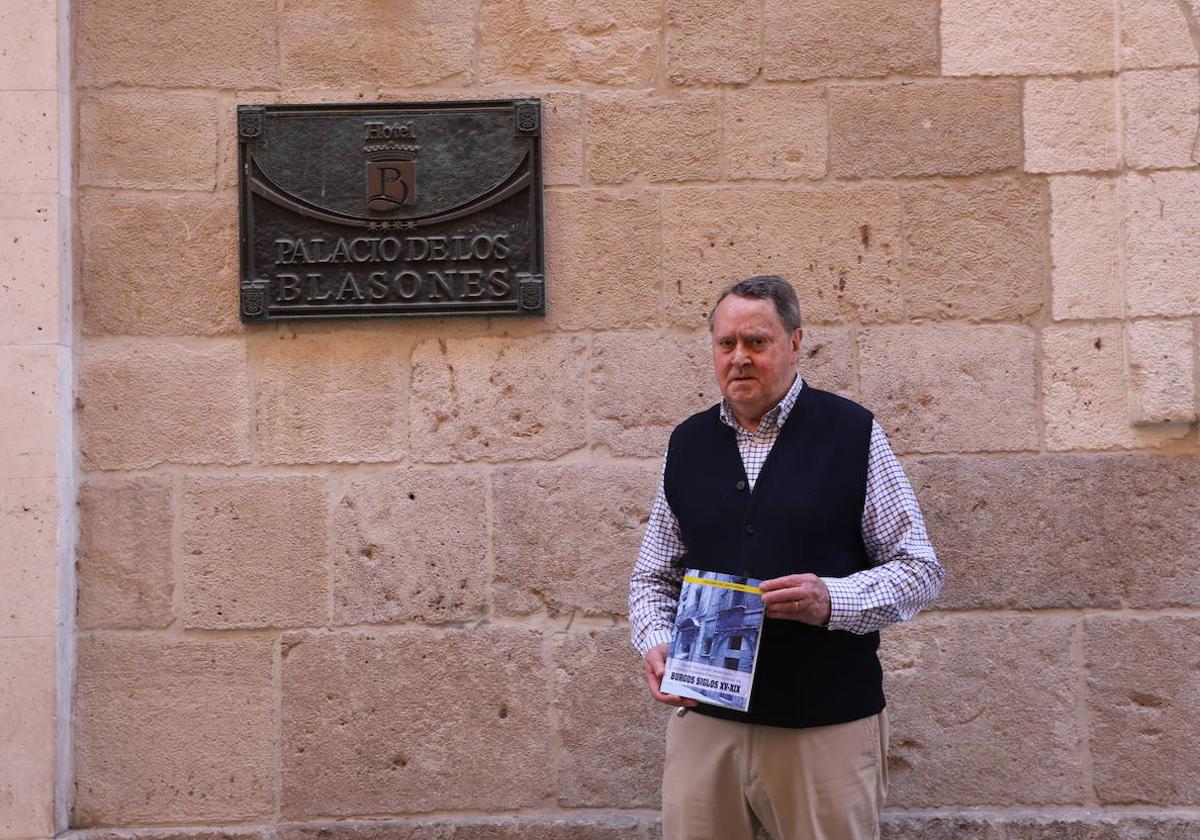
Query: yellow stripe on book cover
[{"x": 740, "y": 587}]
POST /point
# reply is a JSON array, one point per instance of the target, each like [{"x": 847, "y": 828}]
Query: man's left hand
[{"x": 797, "y": 598}]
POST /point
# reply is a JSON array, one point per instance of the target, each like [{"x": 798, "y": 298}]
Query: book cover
[{"x": 715, "y": 641}]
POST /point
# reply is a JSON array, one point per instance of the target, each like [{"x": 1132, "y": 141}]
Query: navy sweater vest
[{"x": 804, "y": 515}]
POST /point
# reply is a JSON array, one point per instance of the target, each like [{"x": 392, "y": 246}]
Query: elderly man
[{"x": 799, "y": 488}]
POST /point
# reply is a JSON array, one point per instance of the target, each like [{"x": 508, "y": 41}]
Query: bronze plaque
[{"x": 391, "y": 209}]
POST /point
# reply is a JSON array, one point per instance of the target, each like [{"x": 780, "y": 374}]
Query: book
[{"x": 714, "y": 646}]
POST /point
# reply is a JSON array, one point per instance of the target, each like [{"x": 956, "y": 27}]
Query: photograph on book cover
[{"x": 715, "y": 639}]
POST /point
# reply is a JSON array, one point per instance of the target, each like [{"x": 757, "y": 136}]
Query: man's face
[{"x": 754, "y": 357}]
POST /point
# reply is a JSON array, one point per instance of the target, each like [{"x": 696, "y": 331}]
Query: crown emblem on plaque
[{"x": 390, "y": 149}]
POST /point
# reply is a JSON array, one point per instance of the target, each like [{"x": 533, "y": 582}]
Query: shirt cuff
[
  {"x": 843, "y": 604},
  {"x": 654, "y": 638}
]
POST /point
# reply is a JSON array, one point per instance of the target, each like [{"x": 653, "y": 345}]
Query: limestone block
[
  {"x": 410, "y": 545},
  {"x": 159, "y": 264},
  {"x": 498, "y": 398},
  {"x": 222, "y": 43},
  {"x": 1154, "y": 33},
  {"x": 173, "y": 834},
  {"x": 29, "y": 138},
  {"x": 839, "y": 246},
  {"x": 1122, "y": 529},
  {"x": 29, "y": 285},
  {"x": 412, "y": 721},
  {"x": 29, "y": 46},
  {"x": 643, "y": 384},
  {"x": 29, "y": 394},
  {"x": 532, "y": 827},
  {"x": 776, "y": 133},
  {"x": 1141, "y": 695},
  {"x": 833, "y": 38},
  {"x": 566, "y": 537},
  {"x": 1085, "y": 236},
  {"x": 562, "y": 137},
  {"x": 632, "y": 133},
  {"x": 951, "y": 388},
  {"x": 602, "y": 255},
  {"x": 1161, "y": 119},
  {"x": 1026, "y": 37},
  {"x": 613, "y": 732},
  {"x": 982, "y": 712},
  {"x": 1162, "y": 371},
  {"x": 924, "y": 128},
  {"x": 27, "y": 730},
  {"x": 614, "y": 42},
  {"x": 119, "y": 149},
  {"x": 1082, "y": 824},
  {"x": 976, "y": 250},
  {"x": 172, "y": 730},
  {"x": 1070, "y": 124},
  {"x": 713, "y": 41},
  {"x": 345, "y": 43},
  {"x": 327, "y": 399},
  {"x": 123, "y": 558},
  {"x": 1084, "y": 391},
  {"x": 146, "y": 403},
  {"x": 253, "y": 552},
  {"x": 29, "y": 557},
  {"x": 1162, "y": 243},
  {"x": 827, "y": 360}
]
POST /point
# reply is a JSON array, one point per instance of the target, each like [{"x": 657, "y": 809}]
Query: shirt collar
[{"x": 776, "y": 416}]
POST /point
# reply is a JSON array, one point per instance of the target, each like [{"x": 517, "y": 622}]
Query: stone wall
[{"x": 367, "y": 579}]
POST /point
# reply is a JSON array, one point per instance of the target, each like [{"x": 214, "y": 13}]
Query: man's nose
[{"x": 740, "y": 356}]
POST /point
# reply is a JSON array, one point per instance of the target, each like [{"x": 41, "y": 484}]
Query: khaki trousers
[{"x": 723, "y": 779}]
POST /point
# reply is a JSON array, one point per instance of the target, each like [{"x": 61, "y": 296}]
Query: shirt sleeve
[
  {"x": 657, "y": 576},
  {"x": 905, "y": 576}
]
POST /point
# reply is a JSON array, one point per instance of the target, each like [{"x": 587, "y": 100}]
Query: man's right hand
[{"x": 654, "y": 665}]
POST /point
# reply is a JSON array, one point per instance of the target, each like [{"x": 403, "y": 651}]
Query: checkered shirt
[{"x": 904, "y": 577}]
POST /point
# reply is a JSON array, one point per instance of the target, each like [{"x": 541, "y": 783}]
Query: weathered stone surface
[
  {"x": 410, "y": 545},
  {"x": 613, "y": 732},
  {"x": 1162, "y": 110},
  {"x": 486, "y": 398},
  {"x": 591, "y": 827},
  {"x": 976, "y": 250},
  {"x": 1142, "y": 694},
  {"x": 29, "y": 137},
  {"x": 614, "y": 42},
  {"x": 118, "y": 150},
  {"x": 28, "y": 46},
  {"x": 29, "y": 250},
  {"x": 566, "y": 537},
  {"x": 253, "y": 551},
  {"x": 953, "y": 743},
  {"x": 345, "y": 43},
  {"x": 143, "y": 403},
  {"x": 840, "y": 247},
  {"x": 643, "y": 384},
  {"x": 29, "y": 509},
  {"x": 1162, "y": 243},
  {"x": 134, "y": 283},
  {"x": 832, "y": 38},
  {"x": 612, "y": 286},
  {"x": 29, "y": 393},
  {"x": 28, "y": 730},
  {"x": 1026, "y": 37},
  {"x": 776, "y": 133},
  {"x": 924, "y": 128},
  {"x": 174, "y": 834},
  {"x": 327, "y": 399},
  {"x": 713, "y": 41},
  {"x": 632, "y": 134},
  {"x": 827, "y": 360},
  {"x": 1085, "y": 236},
  {"x": 123, "y": 558},
  {"x": 170, "y": 730},
  {"x": 1070, "y": 825},
  {"x": 1085, "y": 398},
  {"x": 414, "y": 721},
  {"x": 1154, "y": 33},
  {"x": 1162, "y": 371},
  {"x": 951, "y": 388},
  {"x": 1122, "y": 529},
  {"x": 562, "y": 137},
  {"x": 1070, "y": 124},
  {"x": 223, "y": 43}
]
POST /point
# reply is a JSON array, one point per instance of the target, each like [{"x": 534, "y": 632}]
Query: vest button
[
  {"x": 750, "y": 528},
  {"x": 741, "y": 485}
]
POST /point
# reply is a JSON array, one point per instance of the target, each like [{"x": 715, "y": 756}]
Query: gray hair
[{"x": 764, "y": 286}]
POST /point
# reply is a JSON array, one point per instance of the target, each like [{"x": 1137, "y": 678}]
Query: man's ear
[{"x": 797, "y": 338}]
